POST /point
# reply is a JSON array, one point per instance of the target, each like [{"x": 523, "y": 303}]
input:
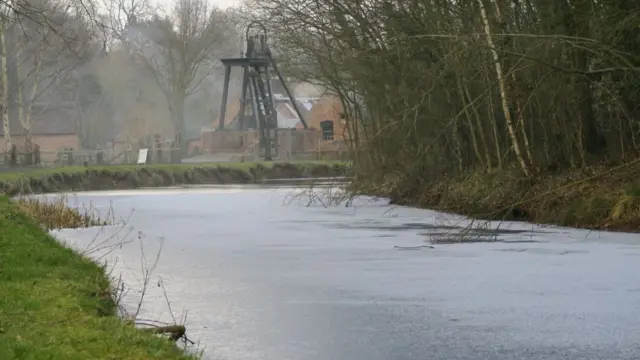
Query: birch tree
[
  {"x": 4, "y": 85},
  {"x": 47, "y": 54},
  {"x": 504, "y": 96},
  {"x": 25, "y": 106}
]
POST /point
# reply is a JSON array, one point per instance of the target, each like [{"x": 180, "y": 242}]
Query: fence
[
  {"x": 24, "y": 161},
  {"x": 85, "y": 157},
  {"x": 55, "y": 158}
]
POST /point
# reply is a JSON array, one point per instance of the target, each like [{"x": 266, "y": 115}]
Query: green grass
[
  {"x": 55, "y": 304},
  {"x": 16, "y": 175},
  {"x": 81, "y": 178}
]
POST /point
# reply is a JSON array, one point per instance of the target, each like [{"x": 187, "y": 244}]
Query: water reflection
[{"x": 259, "y": 276}]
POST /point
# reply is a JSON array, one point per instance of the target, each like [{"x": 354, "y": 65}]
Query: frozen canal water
[{"x": 263, "y": 277}]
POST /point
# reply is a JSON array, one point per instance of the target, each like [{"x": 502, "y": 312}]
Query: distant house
[
  {"x": 326, "y": 117},
  {"x": 53, "y": 128},
  {"x": 321, "y": 113}
]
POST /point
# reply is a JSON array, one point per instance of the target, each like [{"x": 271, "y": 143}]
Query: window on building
[{"x": 326, "y": 127}]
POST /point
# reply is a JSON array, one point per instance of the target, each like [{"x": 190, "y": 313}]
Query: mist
[{"x": 121, "y": 74}]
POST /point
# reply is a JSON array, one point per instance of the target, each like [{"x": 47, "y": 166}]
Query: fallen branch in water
[
  {"x": 325, "y": 194},
  {"x": 175, "y": 332},
  {"x": 413, "y": 247}
]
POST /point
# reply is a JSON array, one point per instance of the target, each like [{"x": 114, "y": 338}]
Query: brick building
[
  {"x": 53, "y": 129},
  {"x": 322, "y": 113},
  {"x": 325, "y": 116}
]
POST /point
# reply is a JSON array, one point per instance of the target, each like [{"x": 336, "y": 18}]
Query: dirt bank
[{"x": 132, "y": 177}]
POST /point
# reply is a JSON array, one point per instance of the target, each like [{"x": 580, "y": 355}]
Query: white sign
[{"x": 143, "y": 154}]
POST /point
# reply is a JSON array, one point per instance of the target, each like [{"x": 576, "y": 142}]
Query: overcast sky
[{"x": 220, "y": 3}]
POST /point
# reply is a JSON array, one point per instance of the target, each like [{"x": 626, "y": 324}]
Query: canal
[{"x": 276, "y": 273}]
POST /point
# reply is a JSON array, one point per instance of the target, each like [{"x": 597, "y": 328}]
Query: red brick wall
[
  {"x": 328, "y": 107},
  {"x": 292, "y": 142},
  {"x": 227, "y": 140},
  {"x": 49, "y": 144},
  {"x": 46, "y": 142}
]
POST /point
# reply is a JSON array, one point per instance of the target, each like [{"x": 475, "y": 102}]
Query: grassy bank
[
  {"x": 136, "y": 176},
  {"x": 55, "y": 304},
  {"x": 602, "y": 197}
]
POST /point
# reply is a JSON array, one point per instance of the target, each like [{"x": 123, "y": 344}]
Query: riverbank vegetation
[
  {"x": 598, "y": 197},
  {"x": 57, "y": 304},
  {"x": 132, "y": 176},
  {"x": 56, "y": 214},
  {"x": 495, "y": 109}
]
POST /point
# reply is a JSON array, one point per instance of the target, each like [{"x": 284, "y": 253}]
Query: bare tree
[
  {"x": 139, "y": 107},
  {"x": 502, "y": 88},
  {"x": 542, "y": 85},
  {"x": 45, "y": 55},
  {"x": 43, "y": 43},
  {"x": 180, "y": 50}
]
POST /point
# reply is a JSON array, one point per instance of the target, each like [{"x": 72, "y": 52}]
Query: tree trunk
[
  {"x": 503, "y": 91},
  {"x": 591, "y": 139},
  {"x": 20, "y": 100},
  {"x": 476, "y": 114},
  {"x": 25, "y": 112},
  {"x": 472, "y": 132},
  {"x": 492, "y": 115},
  {"x": 4, "y": 95},
  {"x": 178, "y": 122},
  {"x": 511, "y": 86}
]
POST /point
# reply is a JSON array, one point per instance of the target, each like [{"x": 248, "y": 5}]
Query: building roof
[
  {"x": 286, "y": 111},
  {"x": 287, "y": 117},
  {"x": 54, "y": 120}
]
